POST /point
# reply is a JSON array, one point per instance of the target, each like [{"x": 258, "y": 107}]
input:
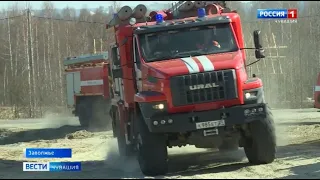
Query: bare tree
[{"x": 116, "y": 5}]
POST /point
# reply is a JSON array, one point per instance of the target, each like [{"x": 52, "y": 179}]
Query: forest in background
[
  {"x": 32, "y": 52},
  {"x": 33, "y": 48},
  {"x": 290, "y": 69}
]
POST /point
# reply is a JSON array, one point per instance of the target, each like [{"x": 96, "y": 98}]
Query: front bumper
[{"x": 186, "y": 122}]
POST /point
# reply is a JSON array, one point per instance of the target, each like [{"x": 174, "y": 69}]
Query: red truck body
[
  {"x": 93, "y": 81},
  {"x": 186, "y": 96},
  {"x": 174, "y": 67},
  {"x": 87, "y": 79},
  {"x": 316, "y": 92}
]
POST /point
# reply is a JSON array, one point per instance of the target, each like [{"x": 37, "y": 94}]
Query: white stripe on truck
[
  {"x": 206, "y": 63},
  {"x": 317, "y": 88},
  {"x": 191, "y": 65},
  {"x": 92, "y": 82}
]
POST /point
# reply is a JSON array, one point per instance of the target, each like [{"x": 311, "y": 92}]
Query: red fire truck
[
  {"x": 180, "y": 78},
  {"x": 316, "y": 93},
  {"x": 88, "y": 89}
]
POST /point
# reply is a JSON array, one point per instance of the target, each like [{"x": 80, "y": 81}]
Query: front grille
[{"x": 203, "y": 87}]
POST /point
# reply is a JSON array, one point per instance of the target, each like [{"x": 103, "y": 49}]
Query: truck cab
[{"x": 184, "y": 81}]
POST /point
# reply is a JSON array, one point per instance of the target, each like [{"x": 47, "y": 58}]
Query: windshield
[{"x": 194, "y": 41}]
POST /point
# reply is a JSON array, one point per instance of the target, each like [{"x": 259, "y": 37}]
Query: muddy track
[{"x": 298, "y": 153}]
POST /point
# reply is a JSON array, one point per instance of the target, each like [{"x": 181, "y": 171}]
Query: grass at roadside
[{"x": 10, "y": 113}]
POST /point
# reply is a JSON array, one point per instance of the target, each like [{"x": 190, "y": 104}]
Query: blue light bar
[
  {"x": 159, "y": 18},
  {"x": 201, "y": 12}
]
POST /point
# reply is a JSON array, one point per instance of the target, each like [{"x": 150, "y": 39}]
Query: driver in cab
[{"x": 208, "y": 40}]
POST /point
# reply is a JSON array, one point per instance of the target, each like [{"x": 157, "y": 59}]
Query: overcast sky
[{"x": 76, "y": 4}]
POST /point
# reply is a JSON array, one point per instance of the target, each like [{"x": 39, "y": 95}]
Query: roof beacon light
[
  {"x": 201, "y": 12},
  {"x": 159, "y": 18}
]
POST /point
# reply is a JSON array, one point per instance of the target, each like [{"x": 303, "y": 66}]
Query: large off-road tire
[
  {"x": 152, "y": 151},
  {"x": 113, "y": 121},
  {"x": 260, "y": 148},
  {"x": 125, "y": 150},
  {"x": 84, "y": 114}
]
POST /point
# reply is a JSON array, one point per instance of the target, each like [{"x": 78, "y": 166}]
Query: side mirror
[
  {"x": 114, "y": 55},
  {"x": 257, "y": 39},
  {"x": 259, "y": 52}
]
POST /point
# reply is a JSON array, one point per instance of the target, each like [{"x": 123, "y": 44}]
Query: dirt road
[{"x": 298, "y": 152}]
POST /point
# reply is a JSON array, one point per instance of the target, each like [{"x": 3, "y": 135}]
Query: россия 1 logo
[{"x": 280, "y": 15}]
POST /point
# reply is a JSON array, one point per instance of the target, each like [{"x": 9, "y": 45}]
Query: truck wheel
[
  {"x": 84, "y": 115},
  {"x": 152, "y": 151},
  {"x": 124, "y": 149},
  {"x": 114, "y": 134},
  {"x": 113, "y": 123},
  {"x": 260, "y": 148}
]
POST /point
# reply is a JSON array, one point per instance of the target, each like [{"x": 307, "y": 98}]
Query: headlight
[
  {"x": 158, "y": 106},
  {"x": 152, "y": 109},
  {"x": 250, "y": 95}
]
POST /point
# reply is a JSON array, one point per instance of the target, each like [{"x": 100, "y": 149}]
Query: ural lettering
[{"x": 203, "y": 86}]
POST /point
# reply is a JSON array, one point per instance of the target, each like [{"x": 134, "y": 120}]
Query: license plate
[{"x": 210, "y": 124}]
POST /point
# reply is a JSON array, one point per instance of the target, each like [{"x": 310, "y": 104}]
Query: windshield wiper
[
  {"x": 178, "y": 55},
  {"x": 159, "y": 58},
  {"x": 189, "y": 53}
]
